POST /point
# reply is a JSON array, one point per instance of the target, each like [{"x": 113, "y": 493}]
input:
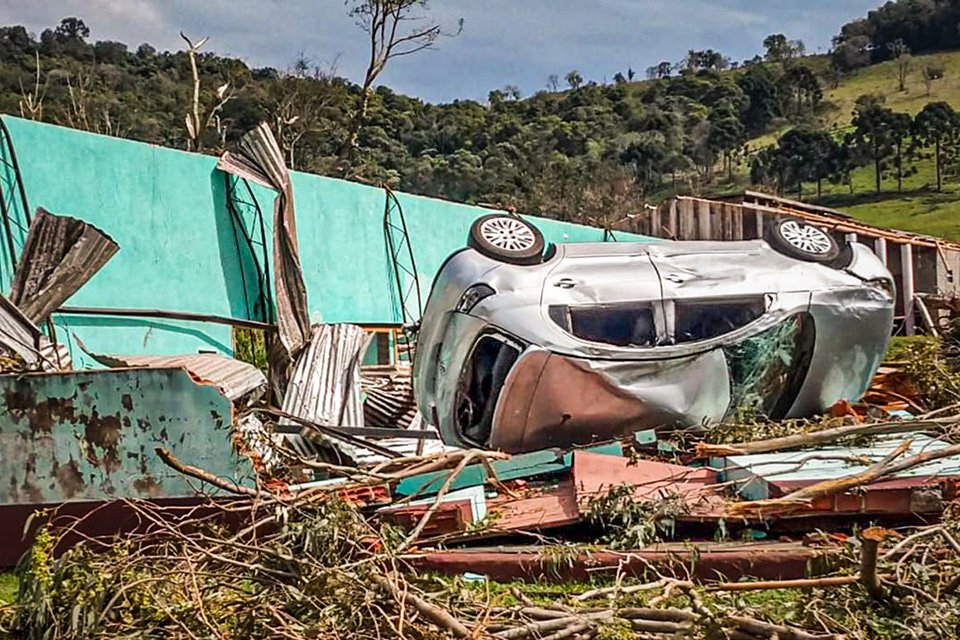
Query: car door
[
  {"x": 607, "y": 295},
  {"x": 711, "y": 289}
]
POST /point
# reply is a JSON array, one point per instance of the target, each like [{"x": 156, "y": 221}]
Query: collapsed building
[
  {"x": 187, "y": 254},
  {"x": 129, "y": 386}
]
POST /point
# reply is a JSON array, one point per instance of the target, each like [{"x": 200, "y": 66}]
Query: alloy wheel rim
[
  {"x": 509, "y": 234},
  {"x": 805, "y": 237}
]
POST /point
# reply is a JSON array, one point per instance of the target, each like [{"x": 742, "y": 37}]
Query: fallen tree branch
[
  {"x": 800, "y": 583},
  {"x": 436, "y": 615},
  {"x": 870, "y": 540},
  {"x": 769, "y": 630},
  {"x": 195, "y": 472},
  {"x": 802, "y": 440},
  {"x": 803, "y": 497}
]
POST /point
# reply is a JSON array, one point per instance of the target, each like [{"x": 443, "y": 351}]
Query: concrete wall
[{"x": 167, "y": 210}]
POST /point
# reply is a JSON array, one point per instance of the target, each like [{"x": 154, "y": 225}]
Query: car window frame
[
  {"x": 670, "y": 314},
  {"x": 505, "y": 339},
  {"x": 659, "y": 323}
]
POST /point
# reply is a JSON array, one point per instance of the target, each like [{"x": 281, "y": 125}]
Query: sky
[{"x": 503, "y": 42}]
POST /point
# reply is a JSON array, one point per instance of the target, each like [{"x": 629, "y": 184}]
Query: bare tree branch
[{"x": 385, "y": 23}]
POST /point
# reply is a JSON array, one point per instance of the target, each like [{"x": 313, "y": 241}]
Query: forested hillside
[{"x": 857, "y": 127}]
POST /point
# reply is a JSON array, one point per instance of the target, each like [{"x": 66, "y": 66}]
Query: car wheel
[
  {"x": 507, "y": 238},
  {"x": 803, "y": 241}
]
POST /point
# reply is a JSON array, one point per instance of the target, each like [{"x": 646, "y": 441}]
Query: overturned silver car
[{"x": 522, "y": 349}]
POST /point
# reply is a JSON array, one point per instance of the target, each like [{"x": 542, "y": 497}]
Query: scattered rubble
[{"x": 349, "y": 517}]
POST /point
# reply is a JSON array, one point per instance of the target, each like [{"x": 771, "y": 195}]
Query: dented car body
[{"x": 598, "y": 340}]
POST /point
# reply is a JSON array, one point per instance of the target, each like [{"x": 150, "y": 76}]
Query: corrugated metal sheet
[
  {"x": 18, "y": 334},
  {"x": 404, "y": 447},
  {"x": 389, "y": 398},
  {"x": 260, "y": 159},
  {"x": 54, "y": 356},
  {"x": 325, "y": 384},
  {"x": 59, "y": 256},
  {"x": 232, "y": 377}
]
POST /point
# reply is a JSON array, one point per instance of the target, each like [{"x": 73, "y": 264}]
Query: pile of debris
[
  {"x": 633, "y": 538},
  {"x": 359, "y": 522}
]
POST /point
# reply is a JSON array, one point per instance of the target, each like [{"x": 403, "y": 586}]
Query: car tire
[
  {"x": 798, "y": 239},
  {"x": 506, "y": 238}
]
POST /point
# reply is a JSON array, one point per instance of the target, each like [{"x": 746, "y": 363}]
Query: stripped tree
[
  {"x": 394, "y": 28},
  {"x": 198, "y": 119},
  {"x": 31, "y": 102}
]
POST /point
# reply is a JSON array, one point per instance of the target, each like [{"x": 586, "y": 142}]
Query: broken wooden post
[
  {"x": 870, "y": 540},
  {"x": 907, "y": 294}
]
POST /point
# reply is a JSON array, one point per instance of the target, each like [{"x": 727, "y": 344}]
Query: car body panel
[
  {"x": 564, "y": 389},
  {"x": 551, "y": 399}
]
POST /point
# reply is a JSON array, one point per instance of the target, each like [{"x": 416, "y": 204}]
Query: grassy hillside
[
  {"x": 881, "y": 79},
  {"x": 918, "y": 208}
]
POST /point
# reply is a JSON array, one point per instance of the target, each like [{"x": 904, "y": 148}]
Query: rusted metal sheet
[
  {"x": 325, "y": 383},
  {"x": 91, "y": 435},
  {"x": 684, "y": 560},
  {"x": 233, "y": 378},
  {"x": 260, "y": 160},
  {"x": 59, "y": 256}
]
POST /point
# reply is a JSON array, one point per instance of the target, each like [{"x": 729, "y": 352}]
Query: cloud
[{"x": 518, "y": 42}]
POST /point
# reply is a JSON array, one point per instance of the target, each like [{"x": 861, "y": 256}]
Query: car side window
[
  {"x": 621, "y": 325},
  {"x": 706, "y": 319}
]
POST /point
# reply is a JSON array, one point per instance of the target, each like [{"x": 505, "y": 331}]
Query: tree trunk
[
  {"x": 899, "y": 167},
  {"x": 876, "y": 165},
  {"x": 348, "y": 151},
  {"x": 937, "y": 163},
  {"x": 819, "y": 186}
]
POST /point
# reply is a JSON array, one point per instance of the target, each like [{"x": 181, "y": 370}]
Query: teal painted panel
[
  {"x": 91, "y": 435},
  {"x": 167, "y": 210},
  {"x": 525, "y": 465}
]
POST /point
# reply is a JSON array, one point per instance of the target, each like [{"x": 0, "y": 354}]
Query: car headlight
[
  {"x": 472, "y": 296},
  {"x": 884, "y": 285}
]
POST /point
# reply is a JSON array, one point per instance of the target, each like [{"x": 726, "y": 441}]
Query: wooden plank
[
  {"x": 687, "y": 222},
  {"x": 728, "y": 222},
  {"x": 673, "y": 220},
  {"x": 908, "y": 293},
  {"x": 716, "y": 221},
  {"x": 655, "y": 215},
  {"x": 880, "y": 248},
  {"x": 927, "y": 319},
  {"x": 703, "y": 220},
  {"x": 738, "y": 223}
]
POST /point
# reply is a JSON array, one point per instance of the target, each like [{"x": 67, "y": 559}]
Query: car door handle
[{"x": 565, "y": 283}]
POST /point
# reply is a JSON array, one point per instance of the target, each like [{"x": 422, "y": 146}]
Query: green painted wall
[{"x": 167, "y": 210}]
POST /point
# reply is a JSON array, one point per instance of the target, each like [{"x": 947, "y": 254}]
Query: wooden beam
[
  {"x": 880, "y": 248},
  {"x": 908, "y": 293},
  {"x": 703, "y": 220}
]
